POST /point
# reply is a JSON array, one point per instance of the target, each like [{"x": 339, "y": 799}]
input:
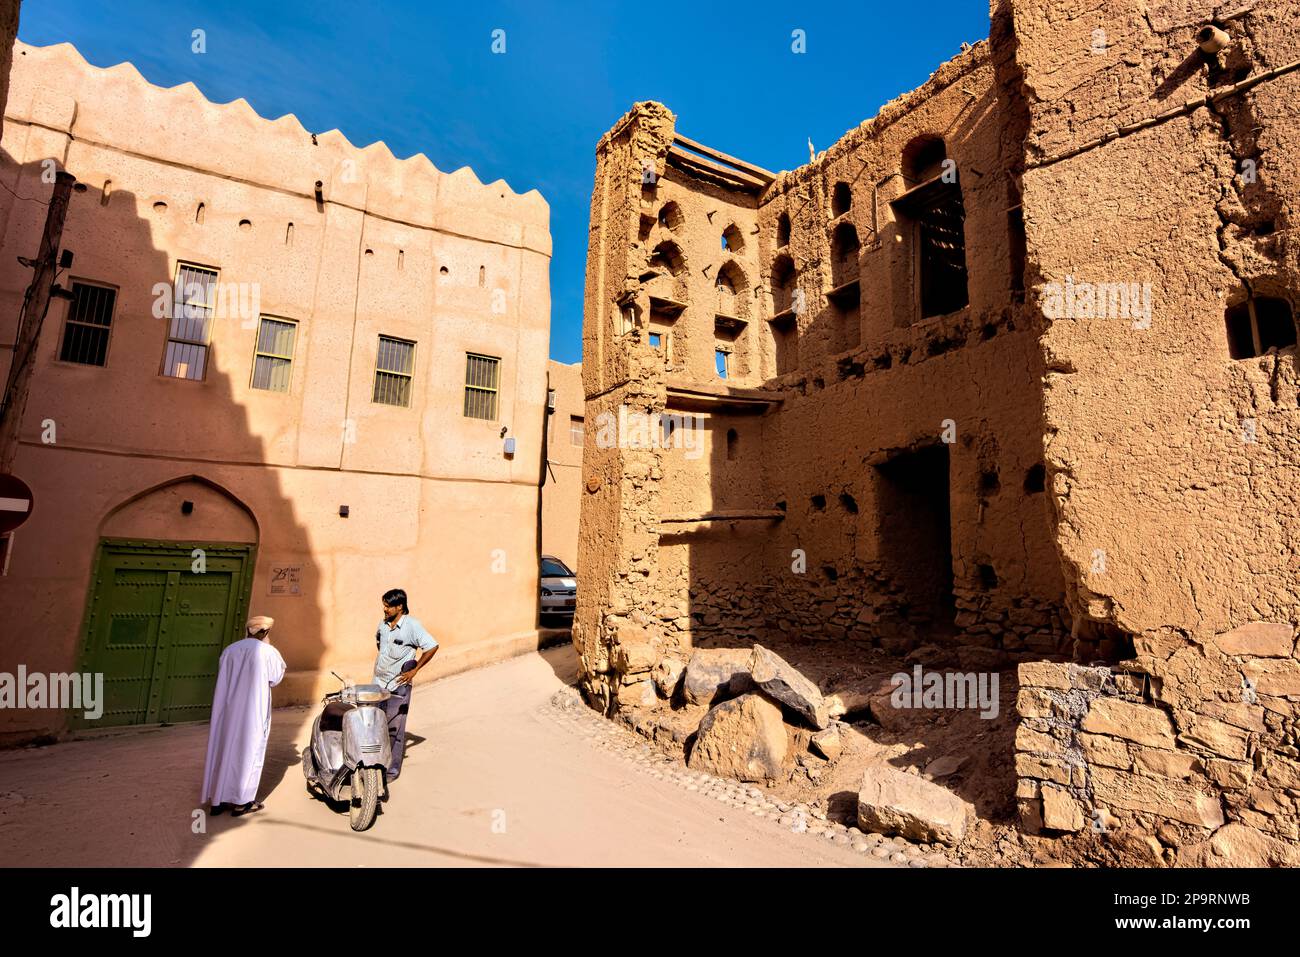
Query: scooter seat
[{"x": 331, "y": 719}]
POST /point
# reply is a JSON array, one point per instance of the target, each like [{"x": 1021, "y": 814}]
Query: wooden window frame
[
  {"x": 408, "y": 376},
  {"x": 258, "y": 353},
  {"x": 477, "y": 389},
  {"x": 179, "y": 303}
]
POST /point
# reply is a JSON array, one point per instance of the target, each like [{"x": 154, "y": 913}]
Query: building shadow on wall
[{"x": 198, "y": 437}]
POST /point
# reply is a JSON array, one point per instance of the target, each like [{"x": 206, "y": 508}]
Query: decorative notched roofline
[{"x": 189, "y": 94}]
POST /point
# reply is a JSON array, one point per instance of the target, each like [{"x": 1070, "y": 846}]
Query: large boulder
[
  {"x": 710, "y": 673},
  {"x": 743, "y": 738},
  {"x": 779, "y": 680},
  {"x": 894, "y": 802}
]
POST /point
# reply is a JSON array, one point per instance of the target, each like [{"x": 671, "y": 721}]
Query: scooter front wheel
[{"x": 367, "y": 784}]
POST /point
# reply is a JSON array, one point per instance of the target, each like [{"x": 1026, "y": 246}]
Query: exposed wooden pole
[
  {"x": 756, "y": 171},
  {"x": 36, "y": 303}
]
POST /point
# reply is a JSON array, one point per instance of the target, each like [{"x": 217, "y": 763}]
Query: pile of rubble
[{"x": 749, "y": 715}]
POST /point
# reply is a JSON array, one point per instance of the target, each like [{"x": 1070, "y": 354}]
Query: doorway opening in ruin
[{"x": 916, "y": 534}]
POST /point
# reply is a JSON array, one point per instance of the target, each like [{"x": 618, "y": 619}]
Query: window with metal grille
[
  {"x": 481, "y": 382},
  {"x": 273, "y": 356},
  {"x": 577, "y": 431},
  {"x": 394, "y": 370},
  {"x": 85, "y": 331},
  {"x": 191, "y": 323}
]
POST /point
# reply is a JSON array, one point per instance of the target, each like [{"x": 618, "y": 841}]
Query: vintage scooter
[{"x": 348, "y": 755}]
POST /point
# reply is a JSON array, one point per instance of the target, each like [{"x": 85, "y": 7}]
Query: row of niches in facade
[{"x": 174, "y": 215}]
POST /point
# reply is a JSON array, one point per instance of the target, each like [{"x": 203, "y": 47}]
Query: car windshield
[{"x": 554, "y": 568}]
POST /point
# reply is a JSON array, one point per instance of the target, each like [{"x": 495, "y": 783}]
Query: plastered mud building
[
  {"x": 349, "y": 394},
  {"x": 1010, "y": 367}
]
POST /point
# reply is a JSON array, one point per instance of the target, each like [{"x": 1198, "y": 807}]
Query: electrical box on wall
[{"x": 510, "y": 445}]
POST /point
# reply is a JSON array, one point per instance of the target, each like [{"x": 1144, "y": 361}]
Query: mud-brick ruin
[{"x": 1008, "y": 376}]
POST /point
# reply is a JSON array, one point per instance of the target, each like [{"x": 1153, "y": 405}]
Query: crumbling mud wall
[
  {"x": 1159, "y": 184},
  {"x": 840, "y": 445},
  {"x": 1012, "y": 365},
  {"x": 909, "y": 460}
]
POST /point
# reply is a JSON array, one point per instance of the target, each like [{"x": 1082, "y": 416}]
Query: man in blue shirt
[{"x": 398, "y": 639}]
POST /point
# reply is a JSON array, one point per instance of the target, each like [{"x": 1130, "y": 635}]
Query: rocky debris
[
  {"x": 667, "y": 675},
  {"x": 894, "y": 802},
  {"x": 710, "y": 672},
  {"x": 932, "y": 656},
  {"x": 636, "y": 652},
  {"x": 1236, "y": 845},
  {"x": 827, "y": 743},
  {"x": 944, "y": 766},
  {"x": 813, "y": 767},
  {"x": 743, "y": 738},
  {"x": 856, "y": 697},
  {"x": 636, "y": 693},
  {"x": 883, "y": 709},
  {"x": 786, "y": 684}
]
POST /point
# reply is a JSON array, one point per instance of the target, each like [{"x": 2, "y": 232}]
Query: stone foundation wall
[{"x": 1189, "y": 748}]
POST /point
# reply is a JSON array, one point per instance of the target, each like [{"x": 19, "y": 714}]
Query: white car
[{"x": 559, "y": 588}]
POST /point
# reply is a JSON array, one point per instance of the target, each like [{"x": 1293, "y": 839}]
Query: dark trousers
[{"x": 396, "y": 708}]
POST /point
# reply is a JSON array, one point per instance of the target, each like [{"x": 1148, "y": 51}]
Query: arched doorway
[{"x": 160, "y": 611}]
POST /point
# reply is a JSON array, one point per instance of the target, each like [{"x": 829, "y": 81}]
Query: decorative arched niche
[{"x": 160, "y": 514}]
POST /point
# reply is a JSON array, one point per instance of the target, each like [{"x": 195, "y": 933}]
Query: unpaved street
[{"x": 496, "y": 775}]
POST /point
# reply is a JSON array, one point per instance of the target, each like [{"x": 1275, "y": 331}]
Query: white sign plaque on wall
[{"x": 286, "y": 581}]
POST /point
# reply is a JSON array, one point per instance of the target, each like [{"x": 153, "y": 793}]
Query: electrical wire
[{"x": 25, "y": 199}]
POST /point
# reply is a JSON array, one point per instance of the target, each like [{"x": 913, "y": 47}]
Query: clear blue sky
[{"x": 423, "y": 78}]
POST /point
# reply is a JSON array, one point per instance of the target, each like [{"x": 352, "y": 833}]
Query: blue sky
[{"x": 423, "y": 78}]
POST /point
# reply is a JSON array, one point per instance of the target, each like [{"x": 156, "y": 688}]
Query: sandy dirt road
[{"x": 495, "y": 775}]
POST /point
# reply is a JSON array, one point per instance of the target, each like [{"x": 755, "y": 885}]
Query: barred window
[
  {"x": 187, "y": 338},
  {"x": 85, "y": 331},
  {"x": 394, "y": 370},
  {"x": 273, "y": 356},
  {"x": 481, "y": 382}
]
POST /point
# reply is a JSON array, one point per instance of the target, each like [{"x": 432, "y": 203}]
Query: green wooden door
[{"x": 159, "y": 616}]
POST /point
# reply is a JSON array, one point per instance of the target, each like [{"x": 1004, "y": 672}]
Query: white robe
[{"x": 241, "y": 722}]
